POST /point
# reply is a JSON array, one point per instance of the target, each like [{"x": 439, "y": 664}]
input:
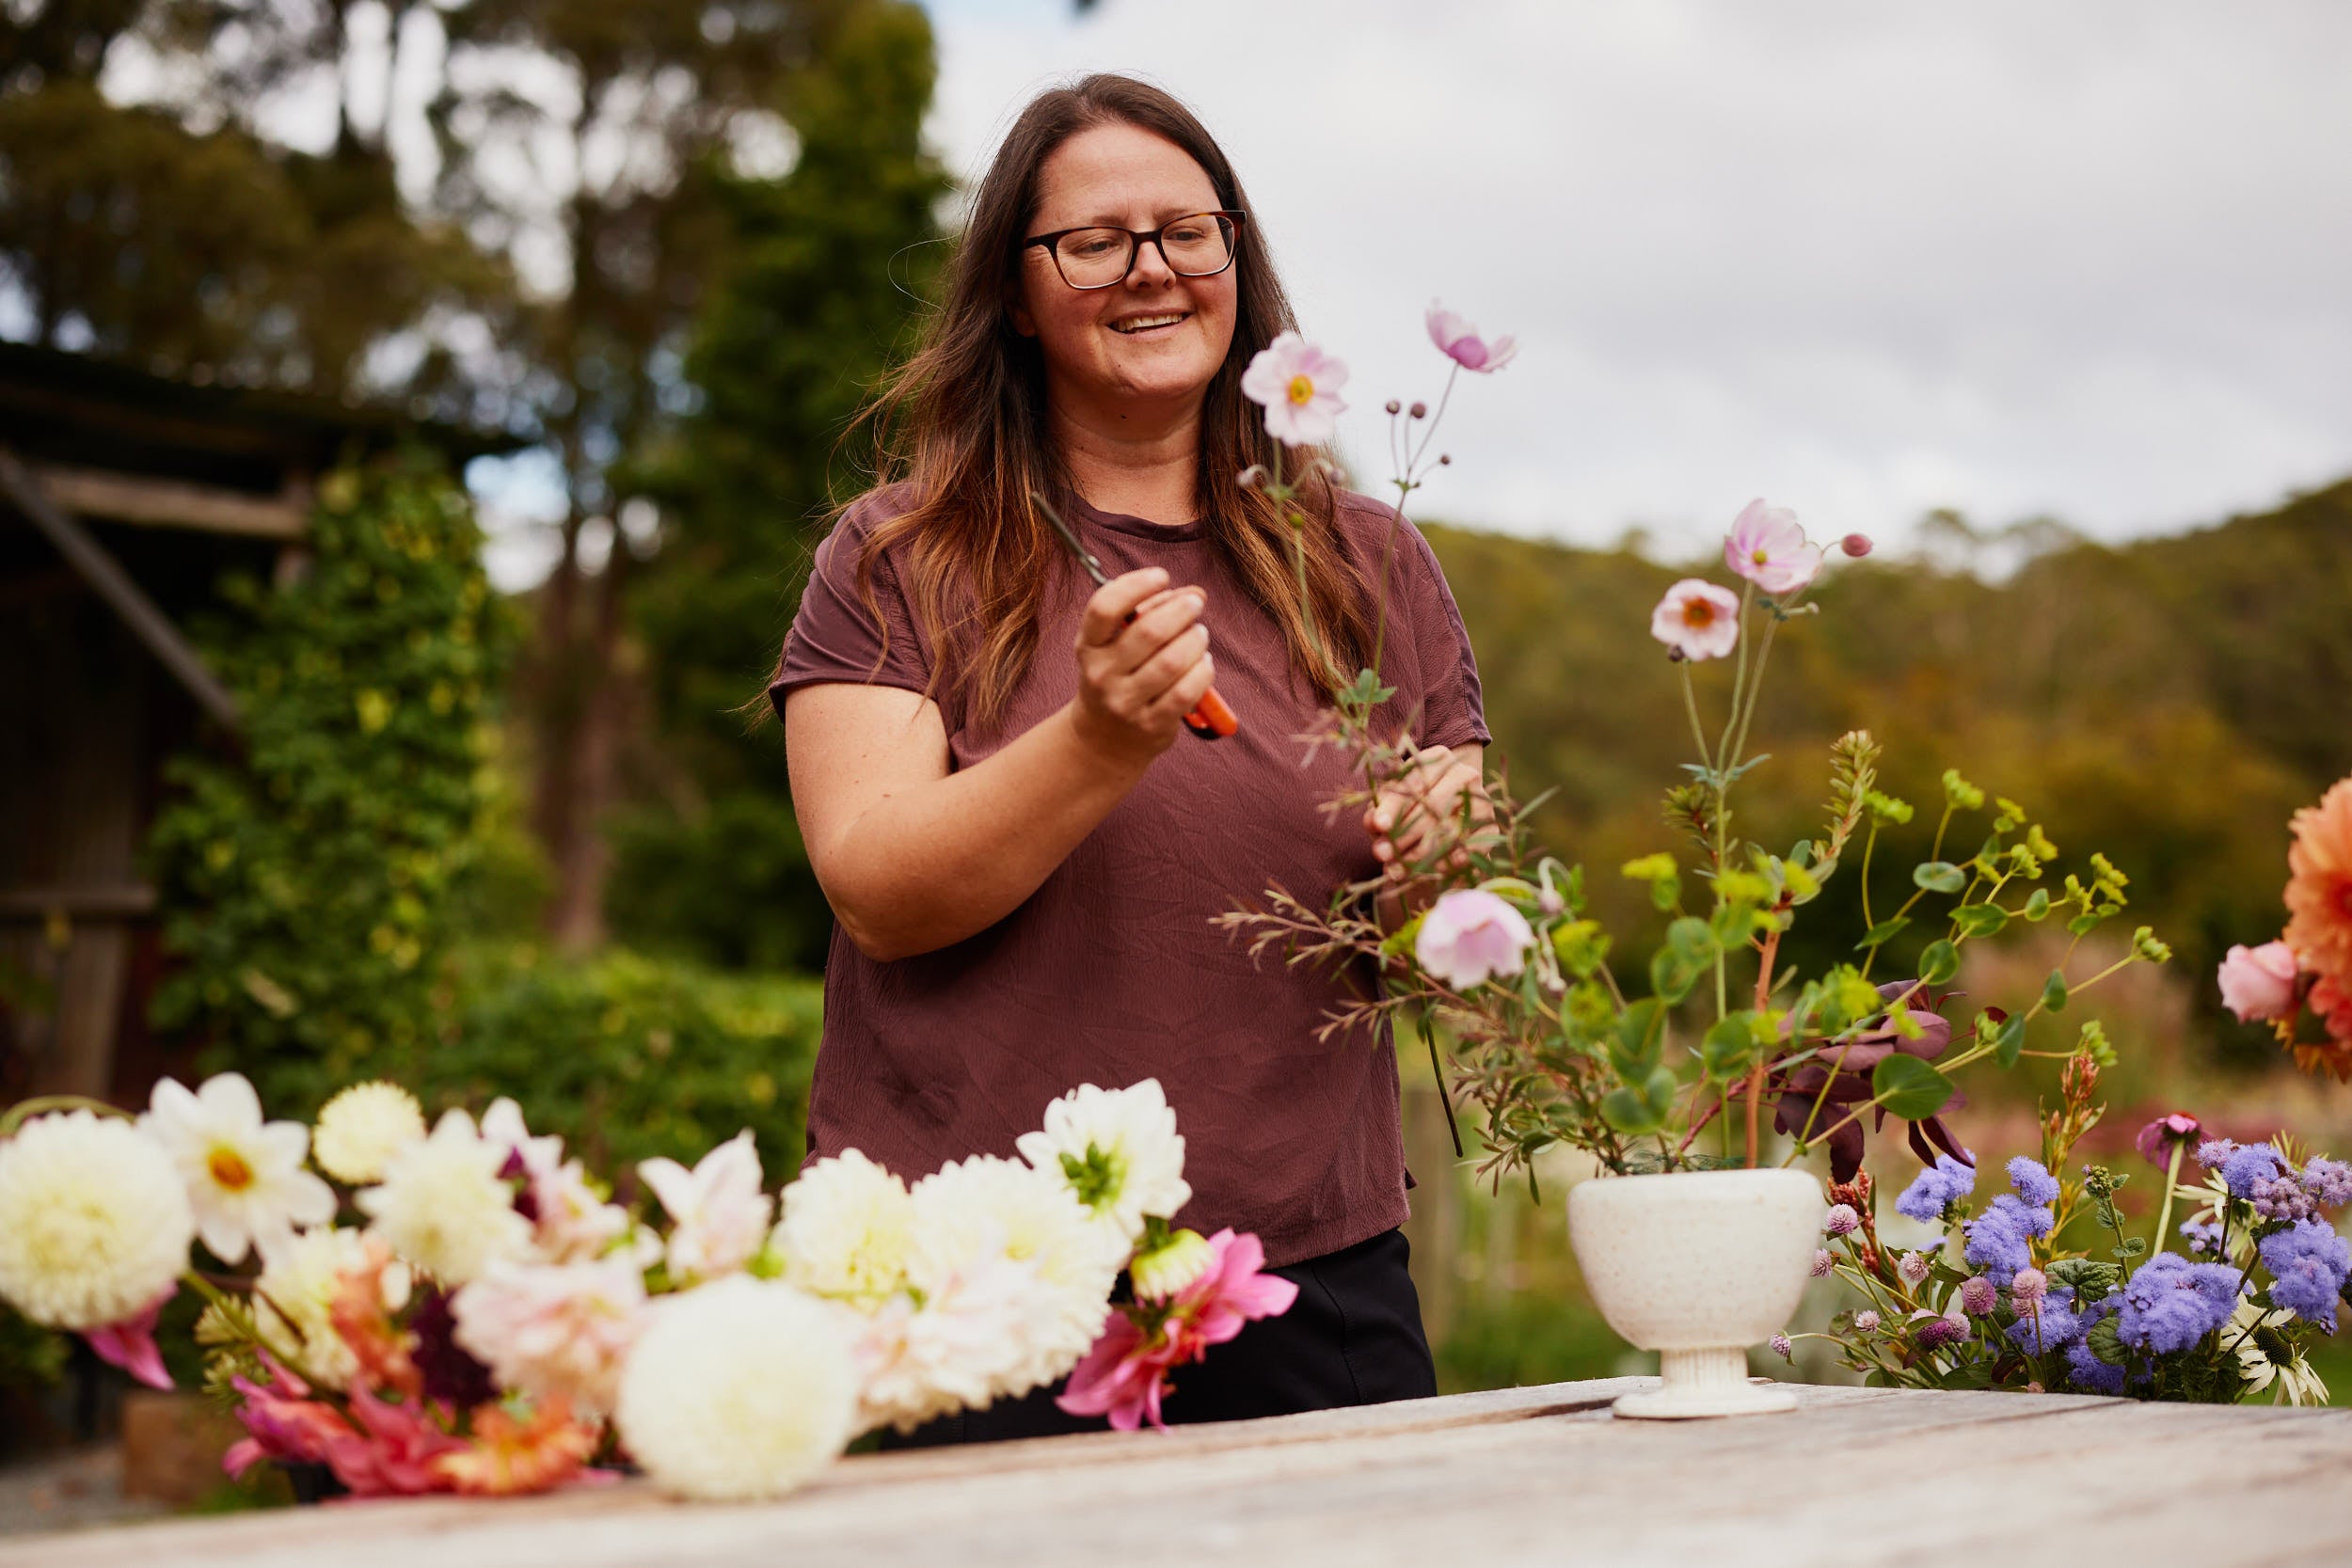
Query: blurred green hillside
[{"x": 2170, "y": 702}]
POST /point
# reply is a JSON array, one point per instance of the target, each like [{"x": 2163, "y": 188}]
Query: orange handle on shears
[{"x": 1210, "y": 719}]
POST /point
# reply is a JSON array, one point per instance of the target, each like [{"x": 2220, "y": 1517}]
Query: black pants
[{"x": 1353, "y": 1336}]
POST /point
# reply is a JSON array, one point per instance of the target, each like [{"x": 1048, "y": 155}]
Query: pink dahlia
[
  {"x": 1126, "y": 1375},
  {"x": 1696, "y": 619},
  {"x": 1459, "y": 341},
  {"x": 1470, "y": 934},
  {"x": 1298, "y": 385},
  {"x": 2258, "y": 983},
  {"x": 1768, "y": 547}
]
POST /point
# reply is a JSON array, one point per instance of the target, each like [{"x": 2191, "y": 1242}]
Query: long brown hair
[{"x": 963, "y": 425}]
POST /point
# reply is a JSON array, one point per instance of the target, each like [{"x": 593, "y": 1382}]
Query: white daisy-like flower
[
  {"x": 719, "y": 1214},
  {"x": 554, "y": 1328},
  {"x": 443, "y": 1206},
  {"x": 294, "y": 1298},
  {"x": 740, "y": 1389},
  {"x": 361, "y": 1128},
  {"x": 1118, "y": 1149},
  {"x": 976, "y": 1212},
  {"x": 570, "y": 1220},
  {"x": 2295, "y": 1382},
  {"x": 848, "y": 1225},
  {"x": 243, "y": 1176},
  {"x": 94, "y": 1221}
]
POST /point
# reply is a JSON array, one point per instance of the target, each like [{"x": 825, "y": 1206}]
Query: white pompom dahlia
[
  {"x": 1118, "y": 1149},
  {"x": 848, "y": 1225},
  {"x": 739, "y": 1389},
  {"x": 94, "y": 1221},
  {"x": 361, "y": 1128}
]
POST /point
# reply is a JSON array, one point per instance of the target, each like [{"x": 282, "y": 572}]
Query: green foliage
[
  {"x": 630, "y": 1057},
  {"x": 830, "y": 267},
  {"x": 312, "y": 874}
]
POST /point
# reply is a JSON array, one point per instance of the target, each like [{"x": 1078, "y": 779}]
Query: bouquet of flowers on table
[
  {"x": 2231, "y": 1315},
  {"x": 1504, "y": 959},
  {"x": 466, "y": 1309}
]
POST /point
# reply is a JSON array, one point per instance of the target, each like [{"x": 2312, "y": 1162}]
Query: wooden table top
[{"x": 1538, "y": 1475}]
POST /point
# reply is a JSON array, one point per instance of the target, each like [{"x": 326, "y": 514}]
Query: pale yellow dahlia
[
  {"x": 738, "y": 1389},
  {"x": 294, "y": 1298},
  {"x": 362, "y": 1128},
  {"x": 845, "y": 1230},
  {"x": 94, "y": 1221},
  {"x": 443, "y": 1206}
]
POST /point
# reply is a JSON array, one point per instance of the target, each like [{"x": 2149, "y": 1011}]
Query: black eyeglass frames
[{"x": 1199, "y": 245}]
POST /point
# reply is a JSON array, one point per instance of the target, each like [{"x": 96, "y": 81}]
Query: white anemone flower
[
  {"x": 443, "y": 1206},
  {"x": 1118, "y": 1150},
  {"x": 244, "y": 1177},
  {"x": 740, "y": 1389},
  {"x": 94, "y": 1221},
  {"x": 848, "y": 1225}
]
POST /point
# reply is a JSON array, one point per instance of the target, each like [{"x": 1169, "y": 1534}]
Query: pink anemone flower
[
  {"x": 1697, "y": 620},
  {"x": 1459, "y": 341},
  {"x": 1768, "y": 547},
  {"x": 1470, "y": 934},
  {"x": 1298, "y": 387}
]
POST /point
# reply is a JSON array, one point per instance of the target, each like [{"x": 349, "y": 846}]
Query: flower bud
[
  {"x": 1445, "y": 460},
  {"x": 1780, "y": 1347},
  {"x": 1855, "y": 545},
  {"x": 1393, "y": 406},
  {"x": 1420, "y": 410},
  {"x": 1166, "y": 1269}
]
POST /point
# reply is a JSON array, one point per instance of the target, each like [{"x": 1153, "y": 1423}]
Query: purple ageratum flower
[
  {"x": 1842, "y": 1220},
  {"x": 2309, "y": 1264},
  {"x": 1935, "y": 1189},
  {"x": 1979, "y": 1296},
  {"x": 2213, "y": 1152},
  {"x": 2282, "y": 1197},
  {"x": 2053, "y": 1324},
  {"x": 2248, "y": 1164},
  {"x": 2088, "y": 1373},
  {"x": 2172, "y": 1303},
  {"x": 2033, "y": 1182},
  {"x": 2000, "y": 1240},
  {"x": 2329, "y": 1181},
  {"x": 2203, "y": 1240}
]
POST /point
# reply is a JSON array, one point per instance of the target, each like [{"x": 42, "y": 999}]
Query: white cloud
[{"x": 1865, "y": 259}]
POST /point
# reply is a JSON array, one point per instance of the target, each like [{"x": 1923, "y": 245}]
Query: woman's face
[{"x": 1156, "y": 338}]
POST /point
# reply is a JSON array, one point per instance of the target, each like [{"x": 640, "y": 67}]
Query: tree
[{"x": 829, "y": 267}]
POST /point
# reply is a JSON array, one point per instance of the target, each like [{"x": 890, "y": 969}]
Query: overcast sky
[{"x": 1865, "y": 259}]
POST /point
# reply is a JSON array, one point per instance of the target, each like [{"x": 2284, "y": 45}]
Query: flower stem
[
  {"x": 41, "y": 1105},
  {"x": 2171, "y": 1179}
]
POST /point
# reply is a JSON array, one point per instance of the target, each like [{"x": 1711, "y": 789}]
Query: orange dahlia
[{"x": 2319, "y": 889}]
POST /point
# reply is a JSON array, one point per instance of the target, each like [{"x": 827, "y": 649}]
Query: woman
[{"x": 1023, "y": 848}]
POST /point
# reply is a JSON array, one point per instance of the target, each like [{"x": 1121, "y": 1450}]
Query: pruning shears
[{"x": 1210, "y": 720}]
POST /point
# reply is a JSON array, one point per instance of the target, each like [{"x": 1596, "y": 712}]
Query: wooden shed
[{"x": 123, "y": 498}]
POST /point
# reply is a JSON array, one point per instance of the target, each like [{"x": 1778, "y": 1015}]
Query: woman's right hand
[{"x": 1137, "y": 679}]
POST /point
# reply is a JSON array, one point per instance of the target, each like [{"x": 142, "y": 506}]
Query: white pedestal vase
[{"x": 1697, "y": 1266}]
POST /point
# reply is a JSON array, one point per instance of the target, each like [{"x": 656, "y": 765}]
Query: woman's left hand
[{"x": 1415, "y": 814}]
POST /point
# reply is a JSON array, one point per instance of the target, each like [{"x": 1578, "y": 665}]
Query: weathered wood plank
[{"x": 1534, "y": 1476}]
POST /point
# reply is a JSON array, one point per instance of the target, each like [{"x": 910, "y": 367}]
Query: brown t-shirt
[{"x": 1111, "y": 971}]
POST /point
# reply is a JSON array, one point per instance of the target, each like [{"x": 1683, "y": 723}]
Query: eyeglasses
[{"x": 1199, "y": 245}]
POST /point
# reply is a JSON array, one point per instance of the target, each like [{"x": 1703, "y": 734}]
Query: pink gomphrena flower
[
  {"x": 1459, "y": 341},
  {"x": 1298, "y": 385},
  {"x": 1470, "y": 934},
  {"x": 1768, "y": 547},
  {"x": 2258, "y": 983},
  {"x": 1126, "y": 1375},
  {"x": 1697, "y": 620}
]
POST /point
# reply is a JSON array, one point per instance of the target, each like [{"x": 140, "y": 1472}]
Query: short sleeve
[
  {"x": 834, "y": 636},
  {"x": 1453, "y": 709}
]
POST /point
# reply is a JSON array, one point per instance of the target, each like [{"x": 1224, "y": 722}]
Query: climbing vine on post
[{"x": 310, "y": 881}]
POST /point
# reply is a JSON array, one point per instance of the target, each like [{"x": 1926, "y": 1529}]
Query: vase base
[{"x": 1698, "y": 1383}]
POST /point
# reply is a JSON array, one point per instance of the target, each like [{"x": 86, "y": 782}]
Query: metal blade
[{"x": 1070, "y": 537}]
